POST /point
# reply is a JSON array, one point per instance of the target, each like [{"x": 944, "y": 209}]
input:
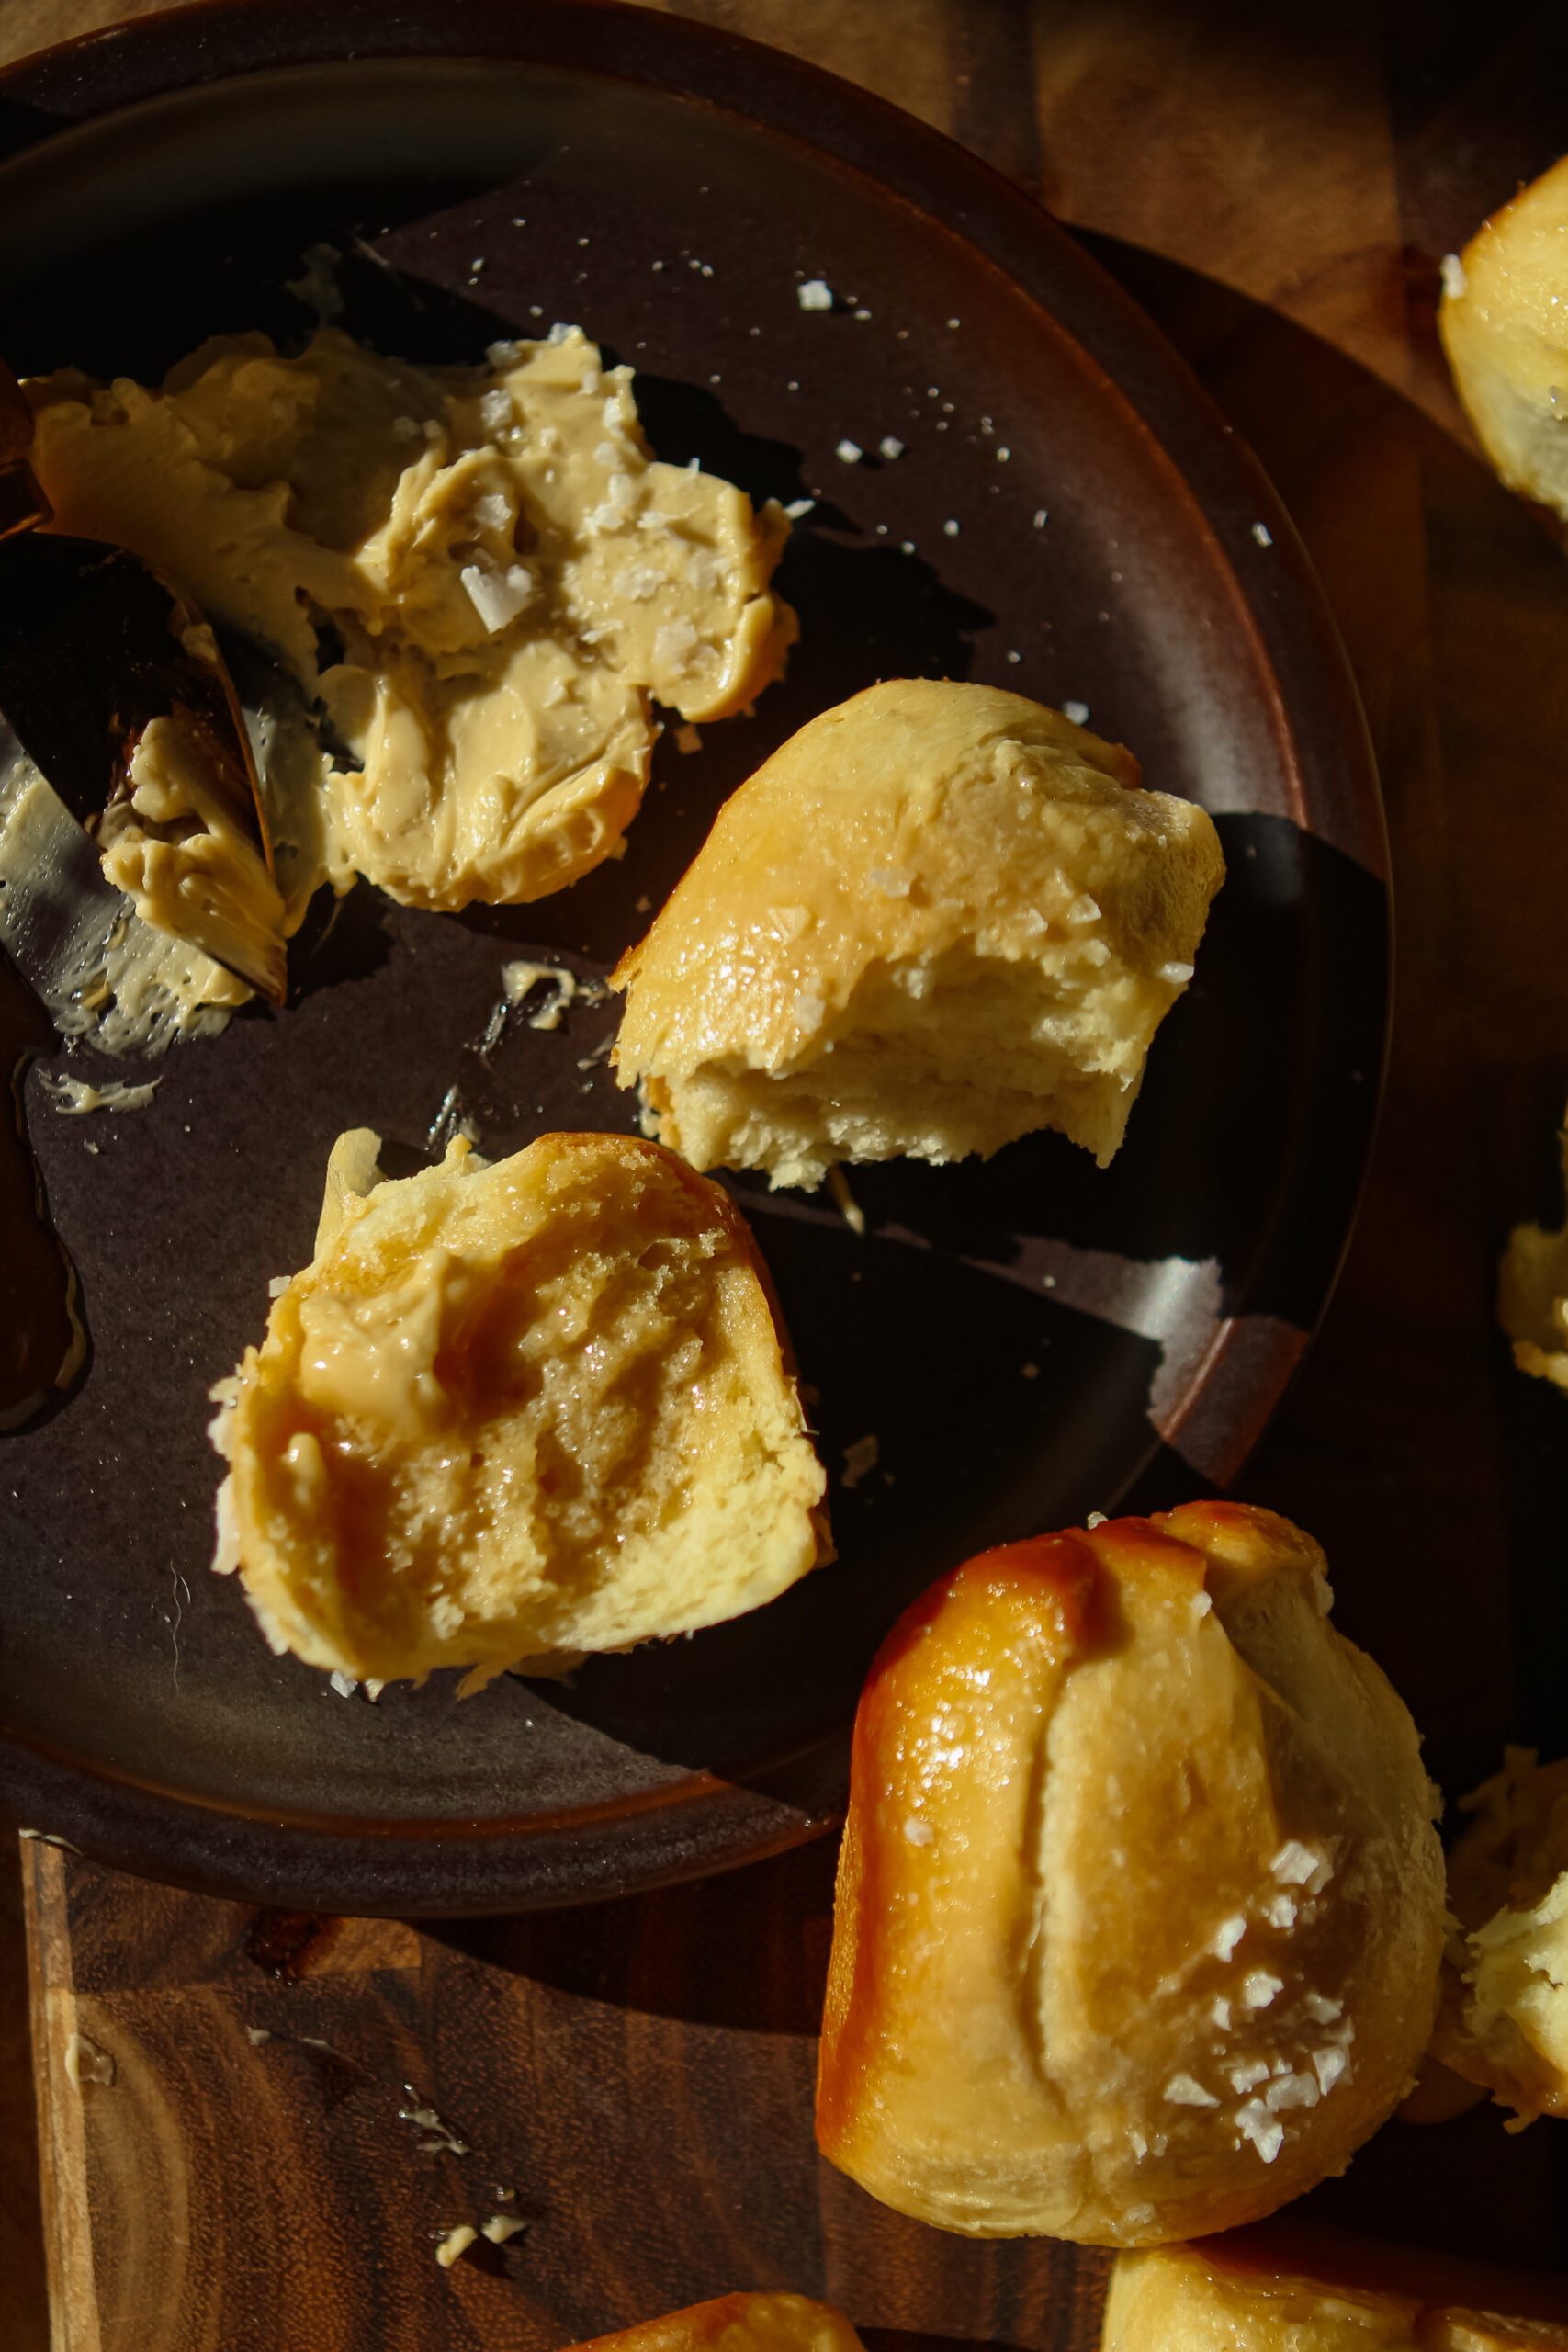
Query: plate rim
[{"x": 370, "y": 1868}]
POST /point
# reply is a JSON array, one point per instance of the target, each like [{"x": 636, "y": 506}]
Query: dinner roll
[
  {"x": 939, "y": 917},
  {"x": 1533, "y": 1298},
  {"x": 1140, "y": 1907},
  {"x": 738, "y": 2324},
  {"x": 513, "y": 1410},
  {"x": 1244, "y": 2294},
  {"x": 1504, "y": 319},
  {"x": 1504, "y": 2020}
]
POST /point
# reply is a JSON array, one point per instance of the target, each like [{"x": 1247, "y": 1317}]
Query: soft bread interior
[
  {"x": 529, "y": 1407},
  {"x": 1504, "y": 2024},
  {"x": 936, "y": 1057}
]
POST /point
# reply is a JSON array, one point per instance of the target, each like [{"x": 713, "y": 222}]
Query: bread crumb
[
  {"x": 798, "y": 507},
  {"x": 455, "y": 2243},
  {"x": 501, "y": 2226},
  {"x": 849, "y": 1208},
  {"x": 85, "y": 2062},
  {"x": 860, "y": 1459},
  {"x": 688, "y": 738}
]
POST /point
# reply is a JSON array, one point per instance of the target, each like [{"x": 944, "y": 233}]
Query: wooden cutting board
[{"x": 634, "y": 2081}]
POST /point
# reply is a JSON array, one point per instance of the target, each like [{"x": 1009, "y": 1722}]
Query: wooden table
[{"x": 1277, "y": 184}]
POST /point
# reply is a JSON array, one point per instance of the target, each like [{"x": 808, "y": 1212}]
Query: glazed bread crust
[
  {"x": 939, "y": 917},
  {"x": 1504, "y": 326},
  {"x": 1140, "y": 1909},
  {"x": 1228, "y": 2293}
]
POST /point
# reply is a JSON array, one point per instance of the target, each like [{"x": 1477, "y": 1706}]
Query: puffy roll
[
  {"x": 1502, "y": 2025},
  {"x": 1140, "y": 1909},
  {"x": 1504, "y": 319},
  {"x": 940, "y": 917},
  {"x": 513, "y": 1410}
]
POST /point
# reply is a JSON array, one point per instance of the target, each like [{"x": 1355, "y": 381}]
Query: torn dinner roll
[
  {"x": 1140, "y": 1907},
  {"x": 1247, "y": 2293},
  {"x": 771, "y": 2323},
  {"x": 1504, "y": 319},
  {"x": 940, "y": 917},
  {"x": 1503, "y": 2024},
  {"x": 513, "y": 1410},
  {"x": 1532, "y": 1297}
]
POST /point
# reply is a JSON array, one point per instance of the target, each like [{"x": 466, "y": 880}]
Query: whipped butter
[{"x": 478, "y": 580}]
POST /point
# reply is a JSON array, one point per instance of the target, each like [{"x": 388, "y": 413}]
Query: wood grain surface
[{"x": 1277, "y": 185}]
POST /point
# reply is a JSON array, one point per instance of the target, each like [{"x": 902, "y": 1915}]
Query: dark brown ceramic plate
[{"x": 1028, "y": 1340}]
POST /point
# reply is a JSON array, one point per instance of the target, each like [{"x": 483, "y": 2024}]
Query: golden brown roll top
[
  {"x": 939, "y": 916},
  {"x": 1253, "y": 2292},
  {"x": 1504, "y": 326},
  {"x": 1140, "y": 1906}
]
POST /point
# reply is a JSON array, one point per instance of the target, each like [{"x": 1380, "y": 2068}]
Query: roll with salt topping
[{"x": 1140, "y": 1910}]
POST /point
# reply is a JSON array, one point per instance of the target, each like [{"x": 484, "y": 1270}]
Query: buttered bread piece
[
  {"x": 1504, "y": 319},
  {"x": 738, "y": 2324},
  {"x": 1140, "y": 1907},
  {"x": 478, "y": 579},
  {"x": 1504, "y": 2020},
  {"x": 1246, "y": 2294},
  {"x": 939, "y": 917},
  {"x": 516, "y": 1409}
]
